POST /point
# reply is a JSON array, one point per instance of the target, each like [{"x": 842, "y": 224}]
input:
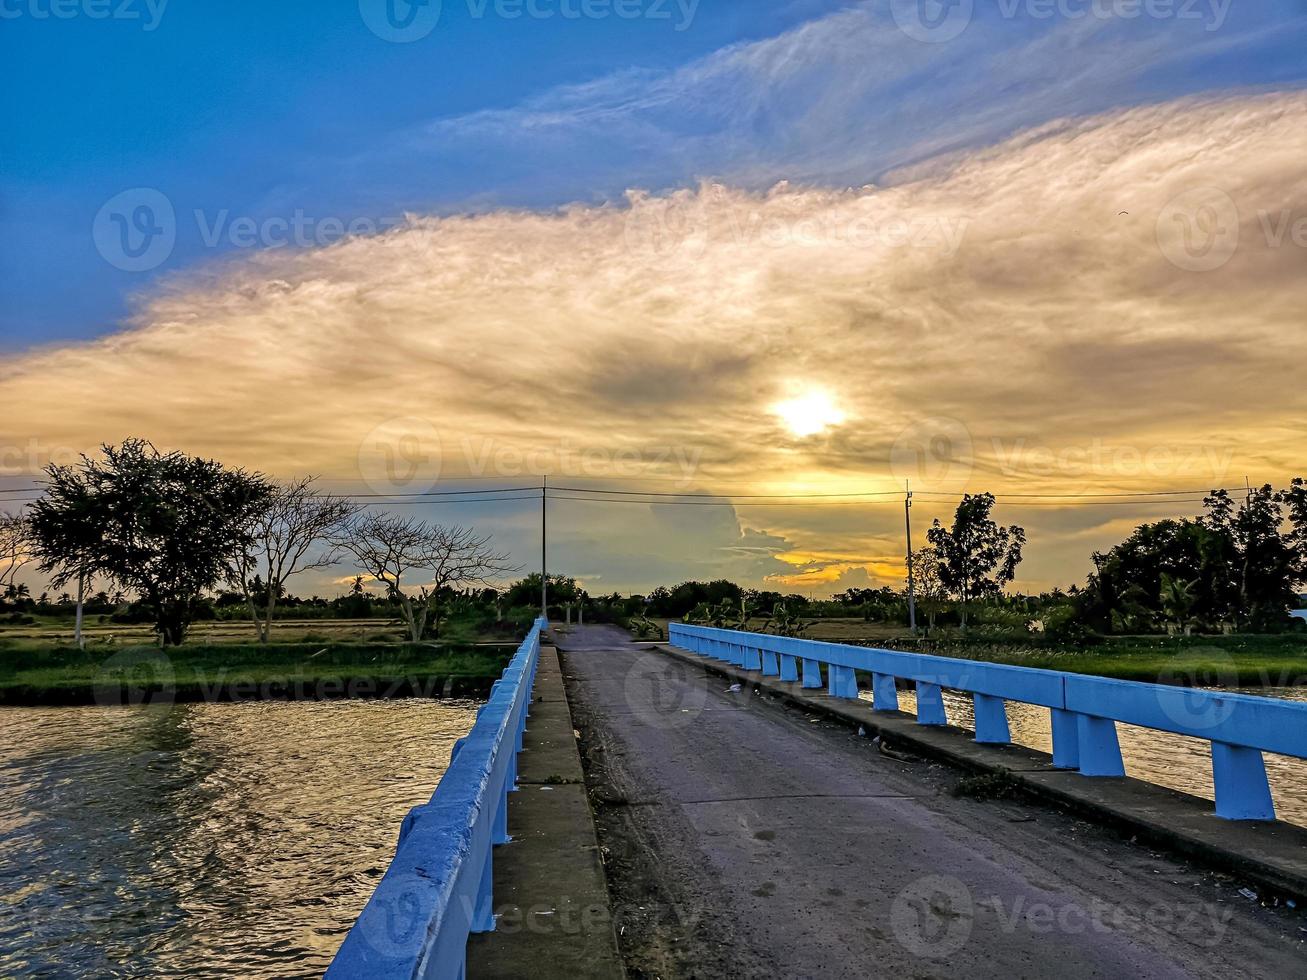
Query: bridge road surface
[{"x": 745, "y": 840}]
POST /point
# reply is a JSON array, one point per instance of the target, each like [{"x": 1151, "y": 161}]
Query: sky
[{"x": 729, "y": 249}]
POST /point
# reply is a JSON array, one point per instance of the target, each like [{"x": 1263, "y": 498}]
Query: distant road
[{"x": 746, "y": 840}]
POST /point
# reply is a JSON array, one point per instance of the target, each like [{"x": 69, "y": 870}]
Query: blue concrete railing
[
  {"x": 1084, "y": 710},
  {"x": 437, "y": 889}
]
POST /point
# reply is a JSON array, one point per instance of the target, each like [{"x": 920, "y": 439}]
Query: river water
[
  {"x": 241, "y": 840},
  {"x": 215, "y": 840},
  {"x": 1174, "y": 761}
]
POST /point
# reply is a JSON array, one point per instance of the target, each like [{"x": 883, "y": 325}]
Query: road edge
[{"x": 1272, "y": 856}]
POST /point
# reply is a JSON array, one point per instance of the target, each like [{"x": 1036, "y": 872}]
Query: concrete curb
[
  {"x": 551, "y": 896},
  {"x": 1270, "y": 855}
]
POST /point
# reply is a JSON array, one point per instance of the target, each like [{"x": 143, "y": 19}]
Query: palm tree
[{"x": 1178, "y": 602}]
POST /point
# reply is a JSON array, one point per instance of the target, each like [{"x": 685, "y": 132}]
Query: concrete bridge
[{"x": 729, "y": 822}]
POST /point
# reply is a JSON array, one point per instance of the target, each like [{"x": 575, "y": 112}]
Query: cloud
[
  {"x": 842, "y": 98},
  {"x": 1000, "y": 303}
]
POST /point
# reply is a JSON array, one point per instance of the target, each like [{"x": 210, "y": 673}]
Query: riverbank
[{"x": 137, "y": 674}]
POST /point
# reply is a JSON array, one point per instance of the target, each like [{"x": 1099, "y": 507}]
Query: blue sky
[
  {"x": 1067, "y": 245},
  {"x": 258, "y": 110}
]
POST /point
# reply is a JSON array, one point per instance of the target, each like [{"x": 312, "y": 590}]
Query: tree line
[{"x": 171, "y": 528}]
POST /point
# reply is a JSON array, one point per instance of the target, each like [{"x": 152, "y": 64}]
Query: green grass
[{"x": 34, "y": 673}]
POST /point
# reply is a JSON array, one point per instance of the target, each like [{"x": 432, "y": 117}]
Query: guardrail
[
  {"x": 437, "y": 889},
  {"x": 1084, "y": 710}
]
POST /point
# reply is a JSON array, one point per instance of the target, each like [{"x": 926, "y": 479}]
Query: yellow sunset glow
[{"x": 809, "y": 414}]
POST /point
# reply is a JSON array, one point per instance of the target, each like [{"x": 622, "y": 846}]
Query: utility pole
[
  {"x": 912, "y": 587},
  {"x": 544, "y": 548}
]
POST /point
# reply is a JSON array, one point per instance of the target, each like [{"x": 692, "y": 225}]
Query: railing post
[
  {"x": 752, "y": 659},
  {"x": 483, "y": 916},
  {"x": 991, "y": 720},
  {"x": 770, "y": 666},
  {"x": 1100, "y": 751},
  {"x": 789, "y": 664},
  {"x": 499, "y": 832},
  {"x": 884, "y": 693},
  {"x": 1242, "y": 790},
  {"x": 930, "y": 704},
  {"x": 811, "y": 673},
  {"x": 843, "y": 682},
  {"x": 1066, "y": 738}
]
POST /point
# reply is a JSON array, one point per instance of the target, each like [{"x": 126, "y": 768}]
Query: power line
[
  {"x": 735, "y": 496},
  {"x": 435, "y": 493},
  {"x": 721, "y": 501}
]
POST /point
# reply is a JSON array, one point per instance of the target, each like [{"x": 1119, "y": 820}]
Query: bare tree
[
  {"x": 15, "y": 548},
  {"x": 284, "y": 534},
  {"x": 389, "y": 548}
]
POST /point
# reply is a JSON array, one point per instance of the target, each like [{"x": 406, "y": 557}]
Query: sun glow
[{"x": 809, "y": 414}]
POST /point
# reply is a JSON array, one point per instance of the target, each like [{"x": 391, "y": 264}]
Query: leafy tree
[
  {"x": 1263, "y": 565},
  {"x": 1125, "y": 591},
  {"x": 562, "y": 590},
  {"x": 928, "y": 582},
  {"x": 1295, "y": 499},
  {"x": 166, "y": 526},
  {"x": 977, "y": 557},
  {"x": 784, "y": 621},
  {"x": 1178, "y": 602}
]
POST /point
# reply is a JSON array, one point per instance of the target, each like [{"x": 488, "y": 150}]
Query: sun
[{"x": 809, "y": 414}]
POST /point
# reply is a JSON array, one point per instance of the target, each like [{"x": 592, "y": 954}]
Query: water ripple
[{"x": 206, "y": 840}]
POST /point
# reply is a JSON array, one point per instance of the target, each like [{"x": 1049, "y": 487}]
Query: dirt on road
[{"x": 743, "y": 838}]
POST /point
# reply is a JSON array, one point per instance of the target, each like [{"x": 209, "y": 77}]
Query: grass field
[
  {"x": 1199, "y": 661},
  {"x": 37, "y": 672}
]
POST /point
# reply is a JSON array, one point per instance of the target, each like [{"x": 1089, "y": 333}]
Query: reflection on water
[
  {"x": 204, "y": 840},
  {"x": 1174, "y": 761}
]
